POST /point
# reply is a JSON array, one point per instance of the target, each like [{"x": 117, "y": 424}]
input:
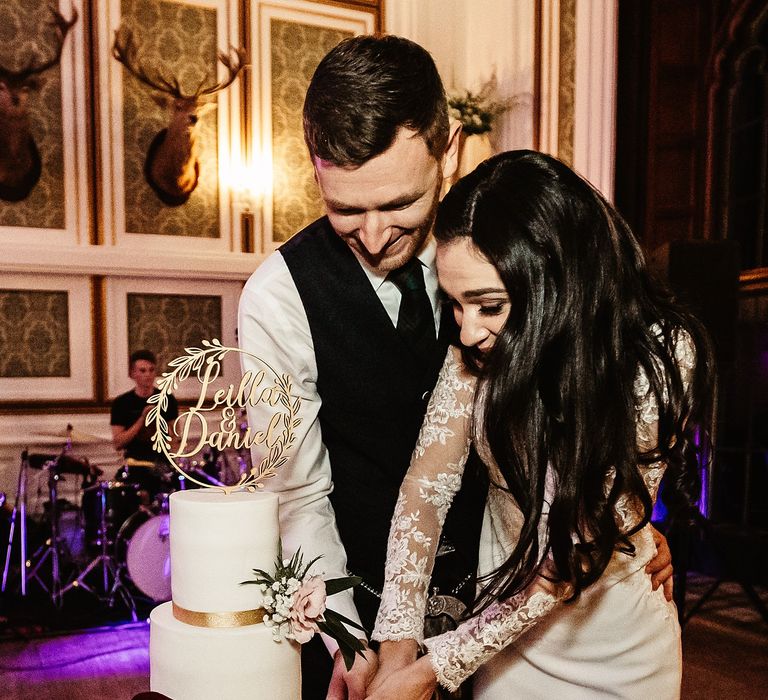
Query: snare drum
[
  {"x": 144, "y": 549},
  {"x": 106, "y": 506}
]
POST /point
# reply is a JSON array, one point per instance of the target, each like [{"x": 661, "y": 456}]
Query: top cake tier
[{"x": 216, "y": 542}]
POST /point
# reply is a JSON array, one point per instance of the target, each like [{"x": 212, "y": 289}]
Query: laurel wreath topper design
[{"x": 205, "y": 364}]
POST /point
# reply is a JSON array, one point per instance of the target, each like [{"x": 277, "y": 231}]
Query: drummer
[{"x": 130, "y": 434}]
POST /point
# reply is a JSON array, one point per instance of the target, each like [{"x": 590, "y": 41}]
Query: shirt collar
[{"x": 426, "y": 257}]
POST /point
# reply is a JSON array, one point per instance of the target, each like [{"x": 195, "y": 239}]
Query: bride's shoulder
[
  {"x": 455, "y": 368},
  {"x": 455, "y": 359},
  {"x": 683, "y": 346},
  {"x": 454, "y": 355}
]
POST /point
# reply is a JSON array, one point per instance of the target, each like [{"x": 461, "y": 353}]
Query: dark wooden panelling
[{"x": 661, "y": 124}]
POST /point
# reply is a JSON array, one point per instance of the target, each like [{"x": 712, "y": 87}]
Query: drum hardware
[
  {"x": 19, "y": 513},
  {"x": 111, "y": 583},
  {"x": 150, "y": 477},
  {"x": 112, "y": 501},
  {"x": 64, "y": 463},
  {"x": 50, "y": 551},
  {"x": 50, "y": 548},
  {"x": 201, "y": 473},
  {"x": 161, "y": 504},
  {"x": 204, "y": 476},
  {"x": 233, "y": 473}
]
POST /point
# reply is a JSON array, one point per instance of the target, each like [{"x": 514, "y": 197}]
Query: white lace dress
[{"x": 618, "y": 639}]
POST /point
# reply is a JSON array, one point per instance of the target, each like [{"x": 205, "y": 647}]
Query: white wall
[
  {"x": 472, "y": 40},
  {"x": 594, "y": 126}
]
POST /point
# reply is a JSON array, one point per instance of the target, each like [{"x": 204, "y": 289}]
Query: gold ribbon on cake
[{"x": 240, "y": 618}]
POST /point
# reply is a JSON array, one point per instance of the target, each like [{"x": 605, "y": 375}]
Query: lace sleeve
[
  {"x": 458, "y": 654},
  {"x": 647, "y": 410},
  {"x": 426, "y": 494}
]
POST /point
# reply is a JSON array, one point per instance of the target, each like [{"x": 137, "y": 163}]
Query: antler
[
  {"x": 125, "y": 50},
  {"x": 61, "y": 28},
  {"x": 234, "y": 62}
]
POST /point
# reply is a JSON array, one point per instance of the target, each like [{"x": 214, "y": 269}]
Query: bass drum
[{"x": 144, "y": 550}]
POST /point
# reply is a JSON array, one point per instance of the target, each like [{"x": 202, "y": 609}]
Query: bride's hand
[{"x": 417, "y": 681}]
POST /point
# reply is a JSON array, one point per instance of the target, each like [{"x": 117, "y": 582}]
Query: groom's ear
[{"x": 451, "y": 156}]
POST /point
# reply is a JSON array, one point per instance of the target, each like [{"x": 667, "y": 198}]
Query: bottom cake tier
[{"x": 200, "y": 663}]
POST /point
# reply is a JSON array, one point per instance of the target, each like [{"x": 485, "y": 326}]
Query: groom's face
[{"x": 384, "y": 209}]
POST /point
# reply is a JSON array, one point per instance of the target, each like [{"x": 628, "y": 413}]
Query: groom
[{"x": 348, "y": 308}]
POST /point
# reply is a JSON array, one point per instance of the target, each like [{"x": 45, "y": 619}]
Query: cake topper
[{"x": 192, "y": 428}]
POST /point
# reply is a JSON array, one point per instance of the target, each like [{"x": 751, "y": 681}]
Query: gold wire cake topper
[{"x": 205, "y": 364}]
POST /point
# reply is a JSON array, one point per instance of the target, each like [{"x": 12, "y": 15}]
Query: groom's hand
[
  {"x": 352, "y": 684},
  {"x": 394, "y": 656},
  {"x": 660, "y": 567}
]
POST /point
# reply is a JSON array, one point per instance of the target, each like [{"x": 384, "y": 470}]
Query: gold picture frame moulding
[
  {"x": 120, "y": 291},
  {"x": 111, "y": 79},
  {"x": 282, "y": 187},
  {"x": 76, "y": 382}
]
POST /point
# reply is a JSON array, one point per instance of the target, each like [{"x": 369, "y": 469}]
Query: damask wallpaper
[
  {"x": 179, "y": 40},
  {"x": 25, "y": 33},
  {"x": 34, "y": 333},
  {"x": 567, "y": 86},
  {"x": 168, "y": 323},
  {"x": 296, "y": 51}
]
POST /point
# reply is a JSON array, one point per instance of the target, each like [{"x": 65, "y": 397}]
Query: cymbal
[
  {"x": 63, "y": 464},
  {"x": 78, "y": 437},
  {"x": 131, "y": 462}
]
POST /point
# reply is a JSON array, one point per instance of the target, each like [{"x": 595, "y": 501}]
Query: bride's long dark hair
[{"x": 559, "y": 382}]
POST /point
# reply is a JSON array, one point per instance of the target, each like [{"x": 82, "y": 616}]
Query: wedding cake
[{"x": 208, "y": 642}]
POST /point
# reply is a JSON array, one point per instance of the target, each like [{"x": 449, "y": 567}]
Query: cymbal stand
[
  {"x": 51, "y": 546},
  {"x": 109, "y": 571},
  {"x": 20, "y": 512}
]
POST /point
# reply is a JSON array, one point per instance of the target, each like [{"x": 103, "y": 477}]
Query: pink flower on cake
[
  {"x": 308, "y": 606},
  {"x": 294, "y": 604}
]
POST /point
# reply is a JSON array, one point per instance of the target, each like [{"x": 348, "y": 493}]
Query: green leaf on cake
[{"x": 349, "y": 645}]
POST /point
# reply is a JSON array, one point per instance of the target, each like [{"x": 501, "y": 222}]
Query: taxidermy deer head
[
  {"x": 20, "y": 164},
  {"x": 171, "y": 166}
]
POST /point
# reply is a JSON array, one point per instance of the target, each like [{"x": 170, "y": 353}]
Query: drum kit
[{"x": 123, "y": 524}]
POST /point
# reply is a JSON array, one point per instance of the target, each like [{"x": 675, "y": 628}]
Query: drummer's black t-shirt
[{"x": 126, "y": 410}]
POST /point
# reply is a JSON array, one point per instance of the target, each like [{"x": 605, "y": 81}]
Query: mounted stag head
[
  {"x": 20, "y": 164},
  {"x": 171, "y": 167}
]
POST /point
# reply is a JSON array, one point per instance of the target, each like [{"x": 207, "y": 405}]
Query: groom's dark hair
[{"x": 367, "y": 88}]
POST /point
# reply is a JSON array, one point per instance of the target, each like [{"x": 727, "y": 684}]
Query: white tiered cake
[{"x": 216, "y": 542}]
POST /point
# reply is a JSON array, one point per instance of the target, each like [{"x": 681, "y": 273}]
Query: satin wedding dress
[{"x": 618, "y": 639}]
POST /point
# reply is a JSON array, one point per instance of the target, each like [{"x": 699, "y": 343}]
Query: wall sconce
[
  {"x": 247, "y": 206},
  {"x": 249, "y": 182},
  {"x": 247, "y": 230}
]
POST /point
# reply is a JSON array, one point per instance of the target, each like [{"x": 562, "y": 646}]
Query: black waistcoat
[{"x": 374, "y": 394}]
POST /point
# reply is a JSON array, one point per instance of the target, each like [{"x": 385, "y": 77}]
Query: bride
[{"x": 580, "y": 383}]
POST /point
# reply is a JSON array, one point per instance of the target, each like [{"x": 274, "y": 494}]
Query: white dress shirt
[{"x": 273, "y": 326}]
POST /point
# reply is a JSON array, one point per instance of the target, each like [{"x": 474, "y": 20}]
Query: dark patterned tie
[{"x": 416, "y": 320}]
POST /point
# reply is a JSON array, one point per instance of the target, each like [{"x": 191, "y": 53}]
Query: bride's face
[{"x": 475, "y": 290}]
